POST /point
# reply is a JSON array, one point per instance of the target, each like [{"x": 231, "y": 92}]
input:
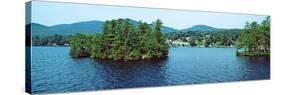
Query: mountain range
[{"x": 89, "y": 27}]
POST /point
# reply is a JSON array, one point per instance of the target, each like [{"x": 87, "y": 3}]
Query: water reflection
[
  {"x": 53, "y": 70},
  {"x": 120, "y": 74}
]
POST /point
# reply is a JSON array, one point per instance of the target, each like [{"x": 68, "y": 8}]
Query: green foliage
[
  {"x": 192, "y": 41},
  {"x": 221, "y": 38},
  {"x": 121, "y": 40},
  {"x": 253, "y": 53},
  {"x": 80, "y": 45},
  {"x": 255, "y": 38},
  {"x": 52, "y": 40}
]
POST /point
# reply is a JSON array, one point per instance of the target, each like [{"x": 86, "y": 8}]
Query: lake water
[{"x": 53, "y": 70}]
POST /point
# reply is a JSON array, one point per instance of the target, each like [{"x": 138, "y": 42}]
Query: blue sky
[{"x": 50, "y": 13}]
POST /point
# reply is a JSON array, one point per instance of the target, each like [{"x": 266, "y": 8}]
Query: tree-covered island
[{"x": 121, "y": 40}]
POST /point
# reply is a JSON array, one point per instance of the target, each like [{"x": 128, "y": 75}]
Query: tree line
[
  {"x": 122, "y": 40},
  {"x": 222, "y": 38},
  {"x": 255, "y": 38},
  {"x": 52, "y": 40}
]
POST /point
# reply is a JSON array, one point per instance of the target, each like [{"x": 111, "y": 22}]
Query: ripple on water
[{"x": 54, "y": 71}]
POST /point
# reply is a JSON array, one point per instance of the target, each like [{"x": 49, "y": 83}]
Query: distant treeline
[
  {"x": 255, "y": 38},
  {"x": 52, "y": 40},
  {"x": 121, "y": 40},
  {"x": 220, "y": 38}
]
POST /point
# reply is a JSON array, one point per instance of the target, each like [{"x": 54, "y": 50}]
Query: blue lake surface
[{"x": 53, "y": 70}]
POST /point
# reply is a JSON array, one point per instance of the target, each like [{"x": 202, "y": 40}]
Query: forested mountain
[
  {"x": 91, "y": 27},
  {"x": 84, "y": 27},
  {"x": 201, "y": 28},
  {"x": 87, "y": 27},
  {"x": 67, "y": 29}
]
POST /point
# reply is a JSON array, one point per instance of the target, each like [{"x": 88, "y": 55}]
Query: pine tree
[{"x": 121, "y": 40}]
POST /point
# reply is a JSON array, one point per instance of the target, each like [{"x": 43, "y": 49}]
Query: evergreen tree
[
  {"x": 80, "y": 46},
  {"x": 255, "y": 38},
  {"x": 121, "y": 40}
]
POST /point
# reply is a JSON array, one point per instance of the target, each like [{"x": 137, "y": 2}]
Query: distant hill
[
  {"x": 87, "y": 27},
  {"x": 90, "y": 27},
  {"x": 67, "y": 29},
  {"x": 83, "y": 27},
  {"x": 201, "y": 28},
  {"x": 166, "y": 29}
]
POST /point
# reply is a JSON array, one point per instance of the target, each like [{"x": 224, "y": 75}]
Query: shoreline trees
[
  {"x": 218, "y": 39},
  {"x": 52, "y": 40},
  {"x": 254, "y": 39},
  {"x": 122, "y": 40}
]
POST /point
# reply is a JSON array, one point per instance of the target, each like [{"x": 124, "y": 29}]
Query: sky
[{"x": 53, "y": 13}]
